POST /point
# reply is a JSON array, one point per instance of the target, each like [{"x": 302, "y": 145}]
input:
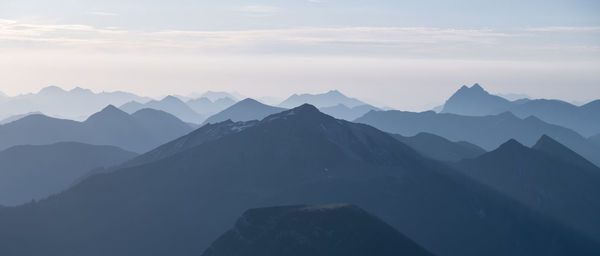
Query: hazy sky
[{"x": 404, "y": 54}]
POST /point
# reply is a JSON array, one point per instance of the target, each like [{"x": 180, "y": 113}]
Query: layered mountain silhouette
[
  {"x": 138, "y": 132},
  {"x": 488, "y": 132},
  {"x": 341, "y": 111},
  {"x": 329, "y": 99},
  {"x": 11, "y": 119},
  {"x": 327, "y": 230},
  {"x": 547, "y": 177},
  {"x": 35, "y": 172},
  {"x": 169, "y": 104},
  {"x": 75, "y": 104},
  {"x": 206, "y": 107},
  {"x": 475, "y": 101},
  {"x": 178, "y": 205},
  {"x": 245, "y": 110},
  {"x": 440, "y": 148}
]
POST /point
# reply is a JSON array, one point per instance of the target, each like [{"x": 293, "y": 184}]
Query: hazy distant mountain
[
  {"x": 548, "y": 177},
  {"x": 329, "y": 99},
  {"x": 475, "y": 101},
  {"x": 180, "y": 204},
  {"x": 75, "y": 104},
  {"x": 214, "y": 96},
  {"x": 440, "y": 148},
  {"x": 169, "y": 104},
  {"x": 206, "y": 107},
  {"x": 17, "y": 117},
  {"x": 244, "y": 110},
  {"x": 35, "y": 172},
  {"x": 139, "y": 132},
  {"x": 488, "y": 132},
  {"x": 327, "y": 230},
  {"x": 584, "y": 119},
  {"x": 341, "y": 111}
]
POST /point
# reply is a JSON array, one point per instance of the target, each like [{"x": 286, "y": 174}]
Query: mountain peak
[
  {"x": 477, "y": 87},
  {"x": 171, "y": 98},
  {"x": 109, "y": 112},
  {"x": 511, "y": 144},
  {"x": 51, "y": 89}
]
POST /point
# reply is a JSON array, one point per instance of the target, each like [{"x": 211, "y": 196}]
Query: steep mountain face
[
  {"x": 244, "y": 110},
  {"x": 206, "y": 107},
  {"x": 439, "y": 148},
  {"x": 138, "y": 132},
  {"x": 180, "y": 204},
  {"x": 475, "y": 101},
  {"x": 35, "y": 172},
  {"x": 75, "y": 104},
  {"x": 208, "y": 132},
  {"x": 333, "y": 229},
  {"x": 488, "y": 132},
  {"x": 548, "y": 177},
  {"x": 341, "y": 111},
  {"x": 329, "y": 99}
]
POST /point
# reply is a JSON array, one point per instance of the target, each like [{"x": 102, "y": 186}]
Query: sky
[{"x": 408, "y": 55}]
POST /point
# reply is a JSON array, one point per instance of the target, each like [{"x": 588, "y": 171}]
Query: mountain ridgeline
[
  {"x": 181, "y": 203},
  {"x": 475, "y": 101},
  {"x": 138, "y": 132}
]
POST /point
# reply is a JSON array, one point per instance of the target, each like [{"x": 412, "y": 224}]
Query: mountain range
[
  {"x": 547, "y": 177},
  {"x": 475, "y": 101},
  {"x": 179, "y": 204},
  {"x": 76, "y": 104},
  {"x": 169, "y": 104},
  {"x": 488, "y": 132},
  {"x": 34, "y": 172},
  {"x": 332, "y": 229},
  {"x": 139, "y": 132}
]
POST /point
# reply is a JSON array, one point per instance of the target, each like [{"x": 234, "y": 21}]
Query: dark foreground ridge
[{"x": 327, "y": 230}]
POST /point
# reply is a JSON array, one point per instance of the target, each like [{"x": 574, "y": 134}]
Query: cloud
[
  {"x": 348, "y": 41},
  {"x": 100, "y": 13},
  {"x": 260, "y": 10},
  {"x": 564, "y": 29}
]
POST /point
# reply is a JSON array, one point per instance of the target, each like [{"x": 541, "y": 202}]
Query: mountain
[
  {"x": 244, "y": 110},
  {"x": 440, "y": 148},
  {"x": 17, "y": 117},
  {"x": 548, "y": 177},
  {"x": 584, "y": 119},
  {"x": 214, "y": 96},
  {"x": 329, "y": 99},
  {"x": 488, "y": 132},
  {"x": 206, "y": 107},
  {"x": 475, "y": 101},
  {"x": 342, "y": 112},
  {"x": 75, "y": 104},
  {"x": 328, "y": 230},
  {"x": 139, "y": 132},
  {"x": 132, "y": 107},
  {"x": 207, "y": 132},
  {"x": 179, "y": 204},
  {"x": 35, "y": 172}
]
